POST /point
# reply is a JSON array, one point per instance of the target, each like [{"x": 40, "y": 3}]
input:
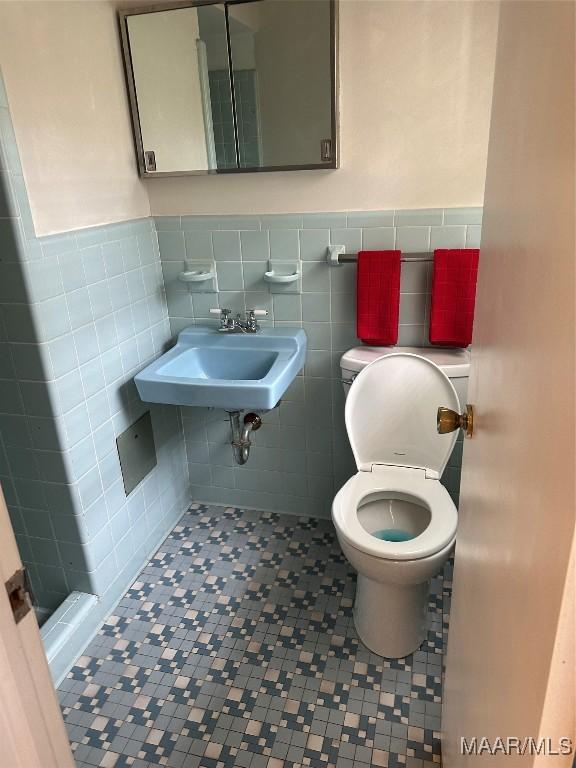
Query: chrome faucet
[{"x": 230, "y": 324}]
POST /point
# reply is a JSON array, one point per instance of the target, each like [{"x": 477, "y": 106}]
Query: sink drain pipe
[{"x": 241, "y": 434}]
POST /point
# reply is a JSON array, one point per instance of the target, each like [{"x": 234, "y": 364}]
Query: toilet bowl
[{"x": 395, "y": 521}]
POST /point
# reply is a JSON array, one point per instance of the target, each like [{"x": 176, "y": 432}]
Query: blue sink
[{"x": 231, "y": 371}]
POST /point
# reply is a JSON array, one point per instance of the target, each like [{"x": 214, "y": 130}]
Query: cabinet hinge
[{"x": 18, "y": 594}]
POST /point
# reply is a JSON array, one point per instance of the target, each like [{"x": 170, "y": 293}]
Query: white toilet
[{"x": 394, "y": 520}]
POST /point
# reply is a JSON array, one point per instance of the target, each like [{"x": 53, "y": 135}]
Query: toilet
[{"x": 395, "y": 521}]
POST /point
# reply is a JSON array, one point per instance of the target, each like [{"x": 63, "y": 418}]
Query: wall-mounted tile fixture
[
  {"x": 284, "y": 276},
  {"x": 336, "y": 256},
  {"x": 201, "y": 276}
]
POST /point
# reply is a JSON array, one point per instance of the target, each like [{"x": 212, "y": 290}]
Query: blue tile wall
[
  {"x": 301, "y": 455},
  {"x": 80, "y": 314}
]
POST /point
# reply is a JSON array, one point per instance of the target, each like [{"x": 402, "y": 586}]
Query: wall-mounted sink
[{"x": 231, "y": 371}]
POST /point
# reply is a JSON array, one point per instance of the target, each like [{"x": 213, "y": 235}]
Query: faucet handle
[
  {"x": 224, "y": 313},
  {"x": 251, "y": 321}
]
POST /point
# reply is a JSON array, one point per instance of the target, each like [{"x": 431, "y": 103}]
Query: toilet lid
[{"x": 391, "y": 414}]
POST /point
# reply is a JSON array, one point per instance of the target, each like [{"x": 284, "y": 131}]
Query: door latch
[
  {"x": 18, "y": 594},
  {"x": 448, "y": 420}
]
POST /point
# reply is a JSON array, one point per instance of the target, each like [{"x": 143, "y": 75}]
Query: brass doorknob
[{"x": 448, "y": 420}]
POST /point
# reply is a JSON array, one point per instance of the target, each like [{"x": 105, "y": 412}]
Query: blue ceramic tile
[
  {"x": 378, "y": 238},
  {"x": 281, "y": 221},
  {"x": 230, "y": 276},
  {"x": 368, "y": 219},
  {"x": 255, "y": 246},
  {"x": 351, "y": 239},
  {"x": 238, "y": 222},
  {"x": 167, "y": 223},
  {"x": 315, "y": 277},
  {"x": 19, "y": 190},
  {"x": 226, "y": 246},
  {"x": 287, "y": 308},
  {"x": 413, "y": 239},
  {"x": 314, "y": 244},
  {"x": 323, "y": 220},
  {"x": 316, "y": 307},
  {"x": 418, "y": 218},
  {"x": 448, "y": 237},
  {"x": 8, "y": 201},
  {"x": 3, "y": 94},
  {"x": 8, "y": 140},
  {"x": 199, "y": 222},
  {"x": 118, "y": 231},
  {"x": 284, "y": 244},
  {"x": 51, "y": 318},
  {"x": 171, "y": 246},
  {"x": 463, "y": 216},
  {"x": 198, "y": 245},
  {"x": 90, "y": 236},
  {"x": 55, "y": 245},
  {"x": 473, "y": 233}
]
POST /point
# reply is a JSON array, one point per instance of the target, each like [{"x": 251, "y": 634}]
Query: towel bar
[{"x": 335, "y": 256}]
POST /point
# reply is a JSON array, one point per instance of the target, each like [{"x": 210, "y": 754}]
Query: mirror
[{"x": 232, "y": 87}]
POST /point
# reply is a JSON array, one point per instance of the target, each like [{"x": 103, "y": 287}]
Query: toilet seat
[
  {"x": 400, "y": 481},
  {"x": 391, "y": 410},
  {"x": 391, "y": 424}
]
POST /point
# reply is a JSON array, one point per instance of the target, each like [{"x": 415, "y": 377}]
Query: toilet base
[{"x": 390, "y": 619}]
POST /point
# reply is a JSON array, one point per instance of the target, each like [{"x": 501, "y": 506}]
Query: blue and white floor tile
[{"x": 236, "y": 647}]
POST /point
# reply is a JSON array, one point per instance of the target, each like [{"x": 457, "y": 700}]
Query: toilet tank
[{"x": 454, "y": 362}]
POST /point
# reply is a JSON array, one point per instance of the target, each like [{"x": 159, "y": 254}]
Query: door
[
  {"x": 32, "y": 732},
  {"x": 510, "y": 647}
]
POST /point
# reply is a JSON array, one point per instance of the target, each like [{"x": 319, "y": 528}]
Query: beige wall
[
  {"x": 416, "y": 79},
  {"x": 416, "y": 84},
  {"x": 63, "y": 71}
]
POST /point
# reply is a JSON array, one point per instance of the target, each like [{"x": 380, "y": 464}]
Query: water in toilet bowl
[
  {"x": 393, "y": 534},
  {"x": 397, "y": 517}
]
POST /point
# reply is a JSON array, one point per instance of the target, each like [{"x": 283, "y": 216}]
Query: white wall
[
  {"x": 63, "y": 71},
  {"x": 165, "y": 63},
  {"x": 415, "y": 93}
]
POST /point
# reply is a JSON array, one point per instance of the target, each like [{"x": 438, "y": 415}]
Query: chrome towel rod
[{"x": 336, "y": 256}]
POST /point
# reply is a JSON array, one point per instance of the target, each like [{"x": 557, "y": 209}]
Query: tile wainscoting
[
  {"x": 80, "y": 314},
  {"x": 301, "y": 456}
]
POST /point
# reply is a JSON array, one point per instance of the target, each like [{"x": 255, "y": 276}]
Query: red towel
[
  {"x": 378, "y": 290},
  {"x": 453, "y": 296}
]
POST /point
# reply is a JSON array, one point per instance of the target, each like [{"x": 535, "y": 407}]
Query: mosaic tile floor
[{"x": 236, "y": 647}]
